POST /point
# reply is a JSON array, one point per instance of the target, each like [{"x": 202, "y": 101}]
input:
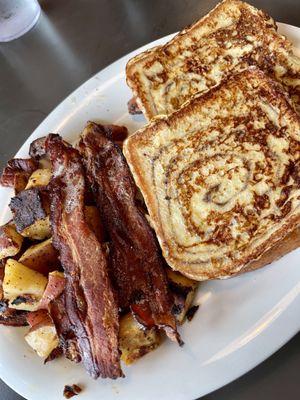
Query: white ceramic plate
[{"x": 240, "y": 323}]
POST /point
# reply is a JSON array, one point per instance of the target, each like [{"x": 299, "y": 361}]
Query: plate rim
[{"x": 53, "y": 118}]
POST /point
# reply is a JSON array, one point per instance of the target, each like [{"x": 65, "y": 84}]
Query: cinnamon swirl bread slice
[
  {"x": 233, "y": 36},
  {"x": 221, "y": 176}
]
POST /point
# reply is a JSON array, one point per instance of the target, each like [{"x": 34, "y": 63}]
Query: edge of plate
[{"x": 54, "y": 119}]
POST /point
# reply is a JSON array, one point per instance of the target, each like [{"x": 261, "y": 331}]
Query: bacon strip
[
  {"x": 64, "y": 328},
  {"x": 16, "y": 173},
  {"x": 90, "y": 302},
  {"x": 136, "y": 263}
]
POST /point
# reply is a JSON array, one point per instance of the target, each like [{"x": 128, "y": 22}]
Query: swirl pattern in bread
[
  {"x": 221, "y": 176},
  {"x": 232, "y": 37}
]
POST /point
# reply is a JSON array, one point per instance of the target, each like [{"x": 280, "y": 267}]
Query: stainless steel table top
[{"x": 73, "y": 40}]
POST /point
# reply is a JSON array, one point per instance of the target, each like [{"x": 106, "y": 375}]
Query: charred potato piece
[
  {"x": 93, "y": 219},
  {"x": 40, "y": 177},
  {"x": 184, "y": 291},
  {"x": 22, "y": 286},
  {"x": 41, "y": 257},
  {"x": 30, "y": 208},
  {"x": 27, "y": 208},
  {"x": 11, "y": 317},
  {"x": 42, "y": 336},
  {"x": 10, "y": 241},
  {"x": 136, "y": 341}
]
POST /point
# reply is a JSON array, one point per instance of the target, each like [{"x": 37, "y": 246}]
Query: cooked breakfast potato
[
  {"x": 43, "y": 339},
  {"x": 20, "y": 182},
  {"x": 22, "y": 286},
  {"x": 30, "y": 209},
  {"x": 17, "y": 172},
  {"x": 44, "y": 163},
  {"x": 39, "y": 230},
  {"x": 40, "y": 177},
  {"x": 41, "y": 257},
  {"x": 135, "y": 341},
  {"x": 184, "y": 290},
  {"x": 10, "y": 241},
  {"x": 55, "y": 286}
]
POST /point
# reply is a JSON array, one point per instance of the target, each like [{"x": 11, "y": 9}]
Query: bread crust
[
  {"x": 198, "y": 58},
  {"x": 136, "y": 147},
  {"x": 289, "y": 243}
]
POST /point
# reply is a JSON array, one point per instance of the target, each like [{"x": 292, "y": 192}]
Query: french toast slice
[
  {"x": 233, "y": 36},
  {"x": 221, "y": 176}
]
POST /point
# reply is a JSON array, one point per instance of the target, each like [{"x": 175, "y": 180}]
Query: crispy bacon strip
[
  {"x": 116, "y": 133},
  {"x": 90, "y": 302},
  {"x": 37, "y": 148},
  {"x": 136, "y": 263},
  {"x": 17, "y": 172},
  {"x": 64, "y": 328}
]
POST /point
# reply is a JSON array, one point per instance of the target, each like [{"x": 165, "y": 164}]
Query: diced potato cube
[
  {"x": 55, "y": 286},
  {"x": 22, "y": 286},
  {"x": 10, "y": 241},
  {"x": 44, "y": 163},
  {"x": 40, "y": 177},
  {"x": 136, "y": 341},
  {"x": 20, "y": 182},
  {"x": 43, "y": 339},
  {"x": 41, "y": 257},
  {"x": 39, "y": 230}
]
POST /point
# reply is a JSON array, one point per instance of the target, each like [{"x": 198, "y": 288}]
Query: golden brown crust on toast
[
  {"x": 231, "y": 37},
  {"x": 221, "y": 176},
  {"x": 289, "y": 243}
]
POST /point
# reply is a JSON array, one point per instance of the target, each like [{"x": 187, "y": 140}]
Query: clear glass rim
[{"x": 24, "y": 29}]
